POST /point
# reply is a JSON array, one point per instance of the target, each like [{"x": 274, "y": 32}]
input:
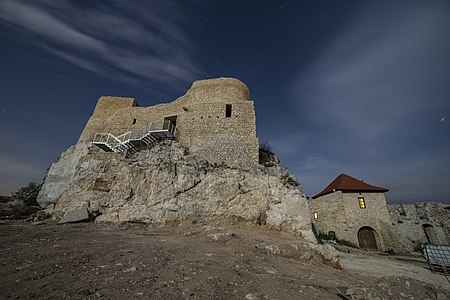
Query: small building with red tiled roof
[{"x": 353, "y": 210}]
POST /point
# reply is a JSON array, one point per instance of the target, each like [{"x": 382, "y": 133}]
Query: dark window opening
[
  {"x": 332, "y": 235},
  {"x": 228, "y": 111},
  {"x": 430, "y": 234},
  {"x": 134, "y": 121},
  {"x": 170, "y": 120}
]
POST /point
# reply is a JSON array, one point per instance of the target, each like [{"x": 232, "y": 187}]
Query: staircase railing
[{"x": 133, "y": 141}]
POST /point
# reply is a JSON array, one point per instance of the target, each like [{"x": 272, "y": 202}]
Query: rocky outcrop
[
  {"x": 60, "y": 175},
  {"x": 167, "y": 184}
]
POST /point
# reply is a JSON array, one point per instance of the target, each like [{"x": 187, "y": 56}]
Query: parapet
[
  {"x": 222, "y": 90},
  {"x": 110, "y": 104}
]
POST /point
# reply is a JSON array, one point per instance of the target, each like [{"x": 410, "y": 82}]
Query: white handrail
[{"x": 123, "y": 144}]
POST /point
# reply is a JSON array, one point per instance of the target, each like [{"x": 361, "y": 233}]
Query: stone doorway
[
  {"x": 366, "y": 238},
  {"x": 430, "y": 234},
  {"x": 171, "y": 119}
]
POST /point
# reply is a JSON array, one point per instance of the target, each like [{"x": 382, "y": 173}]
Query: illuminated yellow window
[
  {"x": 362, "y": 203},
  {"x": 316, "y": 216}
]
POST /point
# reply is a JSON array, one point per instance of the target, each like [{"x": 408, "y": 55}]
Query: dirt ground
[{"x": 130, "y": 261}]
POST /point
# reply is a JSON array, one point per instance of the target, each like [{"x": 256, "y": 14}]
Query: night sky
[{"x": 355, "y": 87}]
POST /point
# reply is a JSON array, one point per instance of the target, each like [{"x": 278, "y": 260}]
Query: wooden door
[{"x": 366, "y": 238}]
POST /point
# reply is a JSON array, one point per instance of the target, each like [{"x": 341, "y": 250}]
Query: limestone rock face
[
  {"x": 61, "y": 174},
  {"x": 167, "y": 184}
]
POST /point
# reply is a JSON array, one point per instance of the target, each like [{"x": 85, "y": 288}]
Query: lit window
[
  {"x": 362, "y": 203},
  {"x": 316, "y": 216}
]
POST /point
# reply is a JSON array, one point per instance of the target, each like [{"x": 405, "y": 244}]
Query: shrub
[
  {"x": 346, "y": 243},
  {"x": 418, "y": 248},
  {"x": 290, "y": 180},
  {"x": 28, "y": 194},
  {"x": 266, "y": 156}
]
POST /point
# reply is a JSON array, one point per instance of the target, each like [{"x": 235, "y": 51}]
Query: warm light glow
[
  {"x": 315, "y": 216},
  {"x": 362, "y": 203}
]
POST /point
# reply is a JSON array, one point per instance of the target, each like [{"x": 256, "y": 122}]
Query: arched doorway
[
  {"x": 430, "y": 234},
  {"x": 366, "y": 238}
]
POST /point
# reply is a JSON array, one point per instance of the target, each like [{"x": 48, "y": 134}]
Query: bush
[
  {"x": 13, "y": 209},
  {"x": 289, "y": 180},
  {"x": 325, "y": 237},
  {"x": 28, "y": 194},
  {"x": 346, "y": 243},
  {"x": 418, "y": 248},
  {"x": 266, "y": 156}
]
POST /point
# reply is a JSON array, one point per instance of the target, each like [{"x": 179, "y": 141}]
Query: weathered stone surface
[
  {"x": 75, "y": 215},
  {"x": 166, "y": 184},
  {"x": 202, "y": 121},
  {"x": 328, "y": 255},
  {"x": 60, "y": 175},
  {"x": 425, "y": 222},
  {"x": 340, "y": 212}
]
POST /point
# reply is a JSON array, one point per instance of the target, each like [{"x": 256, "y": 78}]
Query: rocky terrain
[
  {"x": 43, "y": 260},
  {"x": 168, "y": 184},
  {"x": 165, "y": 225}
]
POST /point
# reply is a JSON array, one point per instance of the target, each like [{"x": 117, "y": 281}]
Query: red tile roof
[{"x": 347, "y": 183}]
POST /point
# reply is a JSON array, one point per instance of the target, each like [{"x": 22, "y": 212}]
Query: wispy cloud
[
  {"x": 137, "y": 41},
  {"x": 378, "y": 91},
  {"x": 384, "y": 70}
]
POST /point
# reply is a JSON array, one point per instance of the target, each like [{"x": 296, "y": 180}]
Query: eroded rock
[
  {"x": 76, "y": 215},
  {"x": 165, "y": 184}
]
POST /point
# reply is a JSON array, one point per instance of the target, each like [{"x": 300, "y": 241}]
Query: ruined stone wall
[
  {"x": 340, "y": 212},
  {"x": 411, "y": 220},
  {"x": 201, "y": 120}
]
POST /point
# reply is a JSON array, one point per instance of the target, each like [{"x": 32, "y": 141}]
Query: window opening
[
  {"x": 167, "y": 120},
  {"x": 332, "y": 235},
  {"x": 134, "y": 121},
  {"x": 362, "y": 203},
  {"x": 316, "y": 216},
  {"x": 228, "y": 110}
]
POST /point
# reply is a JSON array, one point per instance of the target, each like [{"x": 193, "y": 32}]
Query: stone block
[{"x": 76, "y": 215}]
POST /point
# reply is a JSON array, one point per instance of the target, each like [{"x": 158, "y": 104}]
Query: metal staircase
[{"x": 133, "y": 141}]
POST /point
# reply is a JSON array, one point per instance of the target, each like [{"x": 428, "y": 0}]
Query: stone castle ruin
[
  {"x": 196, "y": 158},
  {"x": 215, "y": 119}
]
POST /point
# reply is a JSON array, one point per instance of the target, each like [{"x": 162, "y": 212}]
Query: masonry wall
[
  {"x": 201, "y": 120},
  {"x": 411, "y": 220},
  {"x": 340, "y": 212}
]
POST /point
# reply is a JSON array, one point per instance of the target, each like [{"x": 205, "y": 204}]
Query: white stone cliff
[{"x": 168, "y": 184}]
